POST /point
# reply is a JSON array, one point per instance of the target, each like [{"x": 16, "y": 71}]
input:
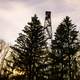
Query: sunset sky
[{"x": 14, "y": 14}]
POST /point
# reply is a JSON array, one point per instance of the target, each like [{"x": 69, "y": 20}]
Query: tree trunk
[{"x": 69, "y": 67}]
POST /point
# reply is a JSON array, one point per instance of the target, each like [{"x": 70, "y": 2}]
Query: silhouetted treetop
[{"x": 30, "y": 48}]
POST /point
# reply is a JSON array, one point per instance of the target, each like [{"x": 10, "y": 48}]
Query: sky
[{"x": 14, "y": 14}]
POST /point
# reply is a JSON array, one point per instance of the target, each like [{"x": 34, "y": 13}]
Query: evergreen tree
[
  {"x": 64, "y": 46},
  {"x": 30, "y": 48}
]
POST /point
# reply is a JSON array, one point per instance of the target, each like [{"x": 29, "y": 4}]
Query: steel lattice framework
[{"x": 48, "y": 28}]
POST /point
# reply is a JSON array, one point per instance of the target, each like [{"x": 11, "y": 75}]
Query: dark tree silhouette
[
  {"x": 30, "y": 48},
  {"x": 64, "y": 46}
]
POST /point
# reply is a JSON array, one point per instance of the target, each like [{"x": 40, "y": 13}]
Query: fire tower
[{"x": 48, "y": 28}]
